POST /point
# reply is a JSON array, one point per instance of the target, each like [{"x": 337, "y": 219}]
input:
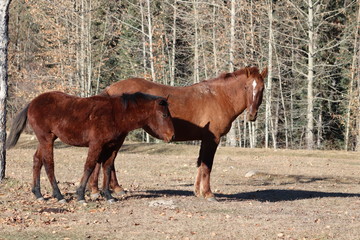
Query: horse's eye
[
  {"x": 163, "y": 103},
  {"x": 165, "y": 115}
]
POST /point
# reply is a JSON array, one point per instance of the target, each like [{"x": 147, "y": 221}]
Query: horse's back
[
  {"x": 66, "y": 116},
  {"x": 132, "y": 85}
]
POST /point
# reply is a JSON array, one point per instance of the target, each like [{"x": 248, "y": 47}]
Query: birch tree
[
  {"x": 231, "y": 136},
  {"x": 4, "y": 39}
]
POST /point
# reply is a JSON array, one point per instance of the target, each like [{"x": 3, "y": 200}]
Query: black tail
[{"x": 17, "y": 127}]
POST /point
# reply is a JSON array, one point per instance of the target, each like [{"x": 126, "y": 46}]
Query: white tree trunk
[
  {"x": 231, "y": 136},
  {"x": 196, "y": 43},
  {"x": 214, "y": 40},
  {"x": 147, "y": 136},
  {"x": 268, "y": 94},
  {"x": 151, "y": 51},
  {"x": 310, "y": 78},
  {"x": 172, "y": 73},
  {"x": 4, "y": 40}
]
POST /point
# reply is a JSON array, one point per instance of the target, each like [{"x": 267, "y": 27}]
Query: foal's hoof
[
  {"x": 62, "y": 200},
  {"x": 94, "y": 196},
  {"x": 112, "y": 200},
  {"x": 212, "y": 199},
  {"x": 81, "y": 201},
  {"x": 41, "y": 199}
]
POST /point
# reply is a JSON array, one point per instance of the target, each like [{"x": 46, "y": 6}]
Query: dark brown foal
[{"x": 100, "y": 123}]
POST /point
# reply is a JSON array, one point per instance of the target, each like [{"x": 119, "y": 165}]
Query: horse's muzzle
[
  {"x": 169, "y": 138},
  {"x": 252, "y": 117}
]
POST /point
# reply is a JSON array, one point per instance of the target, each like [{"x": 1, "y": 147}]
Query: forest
[{"x": 310, "y": 47}]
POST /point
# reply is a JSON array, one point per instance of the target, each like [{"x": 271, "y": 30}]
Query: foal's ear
[{"x": 264, "y": 73}]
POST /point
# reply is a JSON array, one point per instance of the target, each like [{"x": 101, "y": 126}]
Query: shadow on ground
[{"x": 273, "y": 195}]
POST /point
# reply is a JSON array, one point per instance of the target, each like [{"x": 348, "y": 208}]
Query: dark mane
[
  {"x": 251, "y": 70},
  {"x": 134, "y": 97}
]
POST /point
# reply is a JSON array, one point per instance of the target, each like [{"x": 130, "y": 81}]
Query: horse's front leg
[
  {"x": 91, "y": 160},
  {"x": 93, "y": 182},
  {"x": 205, "y": 162},
  {"x": 109, "y": 169}
]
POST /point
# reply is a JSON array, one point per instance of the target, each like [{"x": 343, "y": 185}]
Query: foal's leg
[
  {"x": 48, "y": 161},
  {"x": 91, "y": 160},
  {"x": 93, "y": 182},
  {"x": 108, "y": 169},
  {"x": 37, "y": 164},
  {"x": 205, "y": 161}
]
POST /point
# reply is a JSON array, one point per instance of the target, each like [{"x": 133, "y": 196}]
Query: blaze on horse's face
[
  {"x": 254, "y": 93},
  {"x": 160, "y": 123}
]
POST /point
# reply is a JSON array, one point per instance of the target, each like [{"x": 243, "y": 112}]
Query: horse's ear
[
  {"x": 248, "y": 73},
  {"x": 264, "y": 73},
  {"x": 167, "y": 98}
]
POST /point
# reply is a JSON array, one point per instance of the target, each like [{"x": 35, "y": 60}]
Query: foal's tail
[{"x": 17, "y": 127}]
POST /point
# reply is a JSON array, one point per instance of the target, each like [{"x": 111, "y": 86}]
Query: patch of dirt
[{"x": 290, "y": 195}]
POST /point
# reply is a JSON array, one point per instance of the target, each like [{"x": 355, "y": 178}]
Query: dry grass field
[{"x": 292, "y": 195}]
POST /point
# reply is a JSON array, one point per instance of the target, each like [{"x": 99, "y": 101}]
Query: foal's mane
[
  {"x": 134, "y": 97},
  {"x": 246, "y": 70}
]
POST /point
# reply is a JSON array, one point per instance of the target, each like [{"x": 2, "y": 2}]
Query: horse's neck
[{"x": 233, "y": 92}]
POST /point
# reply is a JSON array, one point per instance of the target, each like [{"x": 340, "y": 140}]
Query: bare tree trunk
[
  {"x": 268, "y": 94},
  {"x": 151, "y": 51},
  {"x": 354, "y": 67},
  {"x": 89, "y": 49},
  {"x": 214, "y": 39},
  {"x": 172, "y": 73},
  {"x": 286, "y": 125},
  {"x": 4, "y": 40},
  {"x": 147, "y": 136},
  {"x": 196, "y": 43},
  {"x": 82, "y": 49},
  {"x": 231, "y": 136},
  {"x": 310, "y": 77}
]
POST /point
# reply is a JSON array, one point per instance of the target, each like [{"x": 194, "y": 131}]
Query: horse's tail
[{"x": 17, "y": 127}]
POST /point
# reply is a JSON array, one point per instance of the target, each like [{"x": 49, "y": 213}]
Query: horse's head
[
  {"x": 254, "y": 88},
  {"x": 160, "y": 123}
]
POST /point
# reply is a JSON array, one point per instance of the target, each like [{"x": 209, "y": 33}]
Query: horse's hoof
[
  {"x": 212, "y": 199},
  {"x": 94, "y": 196},
  {"x": 81, "y": 201},
  {"x": 122, "y": 192},
  {"x": 62, "y": 200},
  {"x": 41, "y": 199},
  {"x": 112, "y": 200}
]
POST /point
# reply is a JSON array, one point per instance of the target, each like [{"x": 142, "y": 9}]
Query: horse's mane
[
  {"x": 246, "y": 70},
  {"x": 134, "y": 97}
]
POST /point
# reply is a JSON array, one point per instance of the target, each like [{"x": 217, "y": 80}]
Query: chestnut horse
[
  {"x": 99, "y": 122},
  {"x": 203, "y": 111}
]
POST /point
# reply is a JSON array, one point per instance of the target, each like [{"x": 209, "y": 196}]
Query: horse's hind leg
[
  {"x": 48, "y": 161},
  {"x": 37, "y": 164}
]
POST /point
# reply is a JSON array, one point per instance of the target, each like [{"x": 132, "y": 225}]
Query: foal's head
[
  {"x": 254, "y": 88},
  {"x": 161, "y": 123},
  {"x": 158, "y": 120}
]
